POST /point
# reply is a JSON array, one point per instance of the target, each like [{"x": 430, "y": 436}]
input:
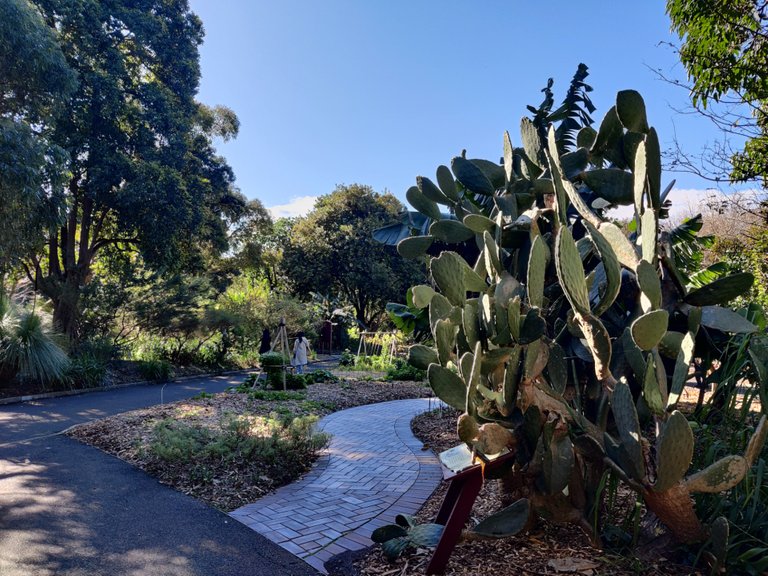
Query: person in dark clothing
[{"x": 266, "y": 342}]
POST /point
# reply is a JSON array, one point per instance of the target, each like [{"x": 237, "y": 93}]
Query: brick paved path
[{"x": 373, "y": 469}]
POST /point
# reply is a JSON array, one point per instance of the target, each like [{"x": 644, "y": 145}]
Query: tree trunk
[{"x": 66, "y": 309}]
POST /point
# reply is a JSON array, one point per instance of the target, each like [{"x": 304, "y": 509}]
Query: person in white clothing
[{"x": 301, "y": 351}]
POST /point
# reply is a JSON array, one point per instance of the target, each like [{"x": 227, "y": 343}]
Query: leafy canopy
[{"x": 333, "y": 249}]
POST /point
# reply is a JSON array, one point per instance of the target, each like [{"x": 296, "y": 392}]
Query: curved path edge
[{"x": 372, "y": 470}]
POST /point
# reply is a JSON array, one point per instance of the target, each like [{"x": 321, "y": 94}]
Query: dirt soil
[
  {"x": 548, "y": 549},
  {"x": 236, "y": 479}
]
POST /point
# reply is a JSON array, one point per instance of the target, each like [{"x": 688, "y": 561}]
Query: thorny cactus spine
[{"x": 552, "y": 329}]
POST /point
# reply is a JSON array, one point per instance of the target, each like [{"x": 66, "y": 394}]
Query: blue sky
[{"x": 377, "y": 92}]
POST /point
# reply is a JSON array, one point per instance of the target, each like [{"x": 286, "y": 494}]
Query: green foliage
[
  {"x": 28, "y": 346},
  {"x": 332, "y": 250},
  {"x": 283, "y": 445},
  {"x": 402, "y": 371},
  {"x": 86, "y": 370},
  {"x": 321, "y": 376},
  {"x": 722, "y": 51},
  {"x": 745, "y": 506},
  {"x": 274, "y": 359},
  {"x": 142, "y": 169},
  {"x": 375, "y": 363},
  {"x": 36, "y": 79},
  {"x": 347, "y": 358},
  {"x": 559, "y": 369},
  {"x": 156, "y": 370}
]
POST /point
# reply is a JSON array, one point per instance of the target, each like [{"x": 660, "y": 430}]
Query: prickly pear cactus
[{"x": 557, "y": 334}]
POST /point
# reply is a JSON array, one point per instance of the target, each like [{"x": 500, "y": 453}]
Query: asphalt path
[{"x": 67, "y": 509}]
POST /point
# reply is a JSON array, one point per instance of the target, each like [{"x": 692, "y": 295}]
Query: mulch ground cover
[
  {"x": 547, "y": 549},
  {"x": 235, "y": 479}
]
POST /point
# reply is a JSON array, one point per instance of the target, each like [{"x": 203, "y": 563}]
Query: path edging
[{"x": 63, "y": 393}]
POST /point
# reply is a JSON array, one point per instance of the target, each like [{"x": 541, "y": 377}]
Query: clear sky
[{"x": 379, "y": 91}]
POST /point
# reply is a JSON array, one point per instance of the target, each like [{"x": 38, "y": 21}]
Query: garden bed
[
  {"x": 547, "y": 549},
  {"x": 258, "y": 441}
]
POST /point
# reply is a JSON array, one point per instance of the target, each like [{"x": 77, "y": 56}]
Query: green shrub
[
  {"x": 28, "y": 347},
  {"x": 156, "y": 370},
  {"x": 292, "y": 381},
  {"x": 377, "y": 363},
  {"x": 86, "y": 371},
  {"x": 347, "y": 358},
  {"x": 317, "y": 376},
  {"x": 174, "y": 441},
  {"x": 289, "y": 443},
  {"x": 273, "y": 360},
  {"x": 403, "y": 371},
  {"x": 100, "y": 349}
]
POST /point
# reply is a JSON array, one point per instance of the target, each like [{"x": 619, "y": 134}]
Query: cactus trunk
[{"x": 675, "y": 508}]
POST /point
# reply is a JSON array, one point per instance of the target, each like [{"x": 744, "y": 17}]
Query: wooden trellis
[{"x": 377, "y": 344}]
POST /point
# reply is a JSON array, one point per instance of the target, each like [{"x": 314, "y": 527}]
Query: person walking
[{"x": 301, "y": 351}]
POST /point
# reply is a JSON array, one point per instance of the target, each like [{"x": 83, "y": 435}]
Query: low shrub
[
  {"x": 156, "y": 370},
  {"x": 86, "y": 371},
  {"x": 28, "y": 346},
  {"x": 317, "y": 376},
  {"x": 373, "y": 363},
  {"x": 347, "y": 358},
  {"x": 279, "y": 448},
  {"x": 403, "y": 371},
  {"x": 100, "y": 349},
  {"x": 273, "y": 360}
]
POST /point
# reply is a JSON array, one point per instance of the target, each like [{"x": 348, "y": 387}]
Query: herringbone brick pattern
[{"x": 373, "y": 469}]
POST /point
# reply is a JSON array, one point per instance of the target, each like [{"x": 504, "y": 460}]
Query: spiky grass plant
[{"x": 28, "y": 345}]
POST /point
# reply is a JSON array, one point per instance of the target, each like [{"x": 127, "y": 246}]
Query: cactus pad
[
  {"x": 718, "y": 477},
  {"x": 450, "y": 231},
  {"x": 682, "y": 365},
  {"x": 448, "y": 273},
  {"x": 423, "y": 204},
  {"x": 422, "y": 295},
  {"x": 445, "y": 338},
  {"x": 414, "y": 246},
  {"x": 650, "y": 286},
  {"x": 621, "y": 245},
  {"x": 472, "y": 177},
  {"x": 628, "y": 427},
  {"x": 537, "y": 267},
  {"x": 421, "y": 356},
  {"x": 652, "y": 393},
  {"x": 756, "y": 442},
  {"x": 447, "y": 386},
  {"x": 611, "y": 266},
  {"x": 630, "y": 107},
  {"x": 506, "y": 522},
  {"x": 570, "y": 271},
  {"x": 431, "y": 191},
  {"x": 674, "y": 450},
  {"x": 649, "y": 329}
]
